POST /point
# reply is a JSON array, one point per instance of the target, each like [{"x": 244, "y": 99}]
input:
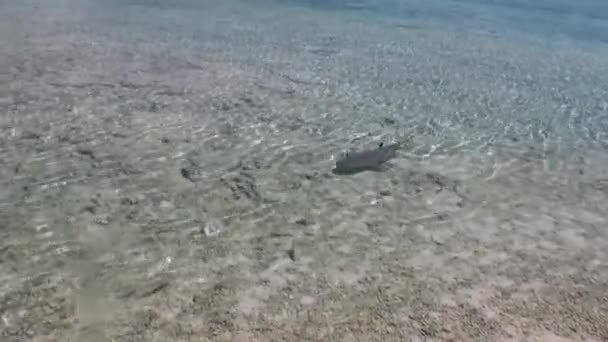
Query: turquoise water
[{"x": 536, "y": 41}]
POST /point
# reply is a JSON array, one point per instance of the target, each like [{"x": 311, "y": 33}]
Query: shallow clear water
[{"x": 166, "y": 170}]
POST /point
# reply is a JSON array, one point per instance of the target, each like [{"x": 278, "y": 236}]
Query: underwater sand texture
[{"x": 170, "y": 181}]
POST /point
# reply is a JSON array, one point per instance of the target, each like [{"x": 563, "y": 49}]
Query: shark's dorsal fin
[{"x": 381, "y": 145}]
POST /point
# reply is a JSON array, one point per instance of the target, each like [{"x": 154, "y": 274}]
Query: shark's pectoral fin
[{"x": 384, "y": 167}]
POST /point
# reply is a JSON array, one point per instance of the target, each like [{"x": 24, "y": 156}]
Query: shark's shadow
[{"x": 366, "y": 160}]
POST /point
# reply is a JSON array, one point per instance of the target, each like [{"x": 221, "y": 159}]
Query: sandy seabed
[{"x": 166, "y": 176}]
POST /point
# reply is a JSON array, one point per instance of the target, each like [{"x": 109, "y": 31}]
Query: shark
[{"x": 366, "y": 160}]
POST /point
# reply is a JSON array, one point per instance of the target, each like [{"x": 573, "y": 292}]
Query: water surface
[{"x": 166, "y": 170}]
